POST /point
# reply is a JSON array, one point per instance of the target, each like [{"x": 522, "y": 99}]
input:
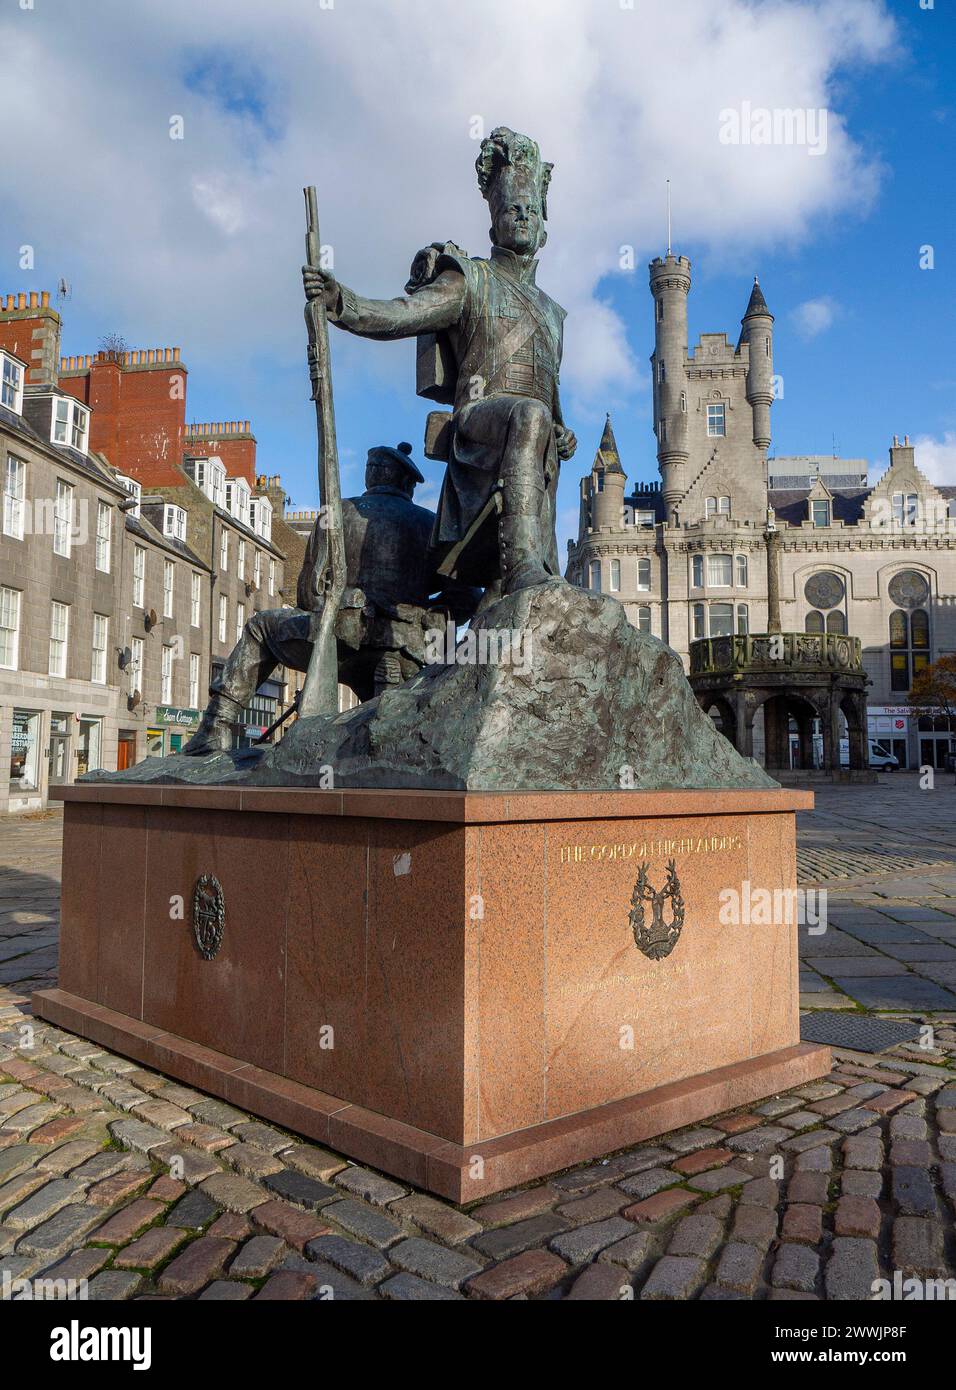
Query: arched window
[
  {"x": 615, "y": 576},
  {"x": 643, "y": 618},
  {"x": 710, "y": 506},
  {"x": 919, "y": 628},
  {"x": 643, "y": 572},
  {"x": 683, "y": 402},
  {"x": 825, "y": 592},
  {"x": 594, "y": 576},
  {"x": 741, "y": 571},
  {"x": 723, "y": 506},
  {"x": 743, "y": 619}
]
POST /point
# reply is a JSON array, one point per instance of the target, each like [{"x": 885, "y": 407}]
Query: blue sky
[{"x": 198, "y": 243}]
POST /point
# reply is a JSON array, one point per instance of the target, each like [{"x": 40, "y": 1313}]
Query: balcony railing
[{"x": 776, "y": 651}]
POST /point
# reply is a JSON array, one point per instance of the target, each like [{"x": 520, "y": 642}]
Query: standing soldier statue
[{"x": 489, "y": 345}]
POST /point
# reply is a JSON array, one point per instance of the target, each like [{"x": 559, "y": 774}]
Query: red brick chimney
[{"x": 30, "y": 330}]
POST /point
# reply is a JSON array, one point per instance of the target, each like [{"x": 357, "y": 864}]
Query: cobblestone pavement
[{"x": 813, "y": 1194}]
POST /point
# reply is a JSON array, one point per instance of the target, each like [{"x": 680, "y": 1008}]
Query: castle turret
[
  {"x": 608, "y": 482},
  {"x": 670, "y": 285},
  {"x": 756, "y": 329}
]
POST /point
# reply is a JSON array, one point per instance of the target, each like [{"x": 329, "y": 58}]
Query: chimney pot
[
  {"x": 33, "y": 299},
  {"x": 45, "y": 299},
  {"x": 22, "y": 301}
]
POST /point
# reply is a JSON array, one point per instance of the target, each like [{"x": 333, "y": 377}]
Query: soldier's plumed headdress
[{"x": 508, "y": 163}]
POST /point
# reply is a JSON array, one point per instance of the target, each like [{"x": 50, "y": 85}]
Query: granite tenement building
[
  {"x": 688, "y": 556},
  {"x": 132, "y": 549}
]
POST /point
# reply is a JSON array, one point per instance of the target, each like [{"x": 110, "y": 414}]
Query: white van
[{"x": 881, "y": 757}]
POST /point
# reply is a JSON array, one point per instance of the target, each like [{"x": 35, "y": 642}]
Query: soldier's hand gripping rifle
[{"x": 320, "y": 692}]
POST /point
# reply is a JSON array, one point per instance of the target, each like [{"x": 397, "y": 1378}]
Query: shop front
[
  {"x": 890, "y": 725},
  {"x": 172, "y": 727}
]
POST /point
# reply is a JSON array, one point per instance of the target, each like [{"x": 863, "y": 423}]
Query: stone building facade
[
  {"x": 688, "y": 556},
  {"x": 122, "y": 586}
]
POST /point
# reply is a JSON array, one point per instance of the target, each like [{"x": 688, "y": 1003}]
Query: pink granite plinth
[{"x": 426, "y": 979}]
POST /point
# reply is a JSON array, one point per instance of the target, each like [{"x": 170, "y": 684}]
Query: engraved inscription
[{"x": 644, "y": 849}]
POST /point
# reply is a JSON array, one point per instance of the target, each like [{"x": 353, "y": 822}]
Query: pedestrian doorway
[
  {"x": 125, "y": 751},
  {"x": 58, "y": 751},
  {"x": 935, "y": 740}
]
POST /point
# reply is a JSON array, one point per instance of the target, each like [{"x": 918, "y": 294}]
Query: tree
[
  {"x": 934, "y": 688},
  {"x": 113, "y": 342}
]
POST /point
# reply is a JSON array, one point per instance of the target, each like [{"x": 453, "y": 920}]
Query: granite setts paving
[{"x": 121, "y": 1184}]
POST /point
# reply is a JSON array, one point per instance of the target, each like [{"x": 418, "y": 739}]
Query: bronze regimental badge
[
  {"x": 658, "y": 938},
  {"x": 209, "y": 915}
]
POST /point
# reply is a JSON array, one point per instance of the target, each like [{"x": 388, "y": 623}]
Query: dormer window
[
  {"x": 820, "y": 511},
  {"x": 11, "y": 383},
  {"x": 174, "y": 522},
  {"x": 196, "y": 469},
  {"x": 905, "y": 508},
  {"x": 71, "y": 423},
  {"x": 237, "y": 499},
  {"x": 134, "y": 489},
  {"x": 260, "y": 517},
  {"x": 209, "y": 475},
  {"x": 217, "y": 482}
]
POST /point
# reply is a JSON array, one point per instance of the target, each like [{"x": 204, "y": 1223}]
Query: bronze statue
[
  {"x": 391, "y": 602},
  {"x": 490, "y": 345}
]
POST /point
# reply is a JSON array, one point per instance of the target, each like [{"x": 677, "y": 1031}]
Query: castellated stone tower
[
  {"x": 608, "y": 483},
  {"x": 670, "y": 285},
  {"x": 756, "y": 329}
]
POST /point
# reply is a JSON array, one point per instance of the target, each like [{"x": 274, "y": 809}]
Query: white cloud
[
  {"x": 814, "y": 316},
  {"x": 219, "y": 202},
  {"x": 936, "y": 458},
  {"x": 198, "y": 241}
]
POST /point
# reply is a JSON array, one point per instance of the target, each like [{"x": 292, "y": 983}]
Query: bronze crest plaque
[
  {"x": 659, "y": 937},
  {"x": 209, "y": 915}
]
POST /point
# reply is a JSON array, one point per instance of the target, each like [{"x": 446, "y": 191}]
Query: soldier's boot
[
  {"x": 214, "y": 734},
  {"x": 490, "y": 597},
  {"x": 520, "y": 539}
]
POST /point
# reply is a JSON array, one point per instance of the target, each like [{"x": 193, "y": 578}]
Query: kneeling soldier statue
[{"x": 391, "y": 602}]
